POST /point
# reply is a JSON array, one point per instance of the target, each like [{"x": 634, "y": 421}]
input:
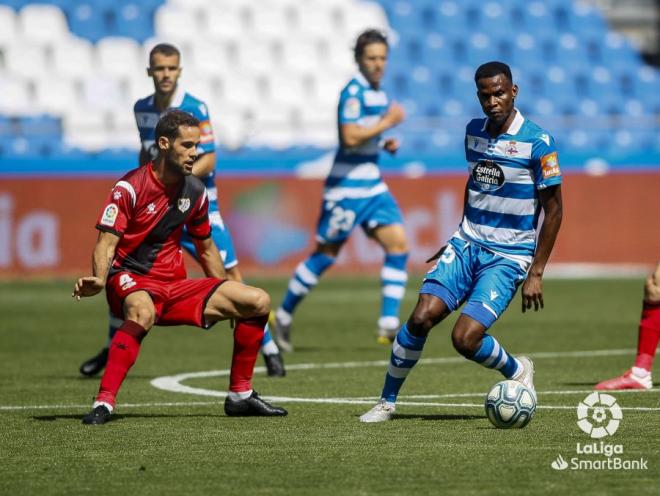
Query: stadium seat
[
  {"x": 43, "y": 23},
  {"x": 26, "y": 60},
  {"x": 8, "y": 26},
  {"x": 56, "y": 95},
  {"x": 15, "y": 98},
  {"x": 176, "y": 24},
  {"x": 134, "y": 20},
  {"x": 226, "y": 24},
  {"x": 73, "y": 58},
  {"x": 103, "y": 92},
  {"x": 88, "y": 21},
  {"x": 120, "y": 57},
  {"x": 86, "y": 130}
]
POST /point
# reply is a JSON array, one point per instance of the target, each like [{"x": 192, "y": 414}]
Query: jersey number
[{"x": 341, "y": 219}]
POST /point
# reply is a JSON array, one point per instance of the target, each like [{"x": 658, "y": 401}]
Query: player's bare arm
[
  {"x": 204, "y": 165},
  {"x": 355, "y": 135},
  {"x": 104, "y": 252},
  {"x": 209, "y": 258},
  {"x": 532, "y": 290}
]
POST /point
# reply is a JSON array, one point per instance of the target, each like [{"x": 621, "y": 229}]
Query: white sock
[
  {"x": 242, "y": 395},
  {"x": 270, "y": 348},
  {"x": 640, "y": 372},
  {"x": 283, "y": 316},
  {"x": 107, "y": 405}
]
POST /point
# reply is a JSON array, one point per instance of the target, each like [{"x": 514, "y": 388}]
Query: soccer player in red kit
[
  {"x": 639, "y": 375},
  {"x": 139, "y": 261}
]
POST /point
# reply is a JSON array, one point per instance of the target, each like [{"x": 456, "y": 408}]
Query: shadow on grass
[
  {"x": 120, "y": 416},
  {"x": 448, "y": 416},
  {"x": 588, "y": 384}
]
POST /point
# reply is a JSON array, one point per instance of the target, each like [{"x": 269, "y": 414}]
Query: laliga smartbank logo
[{"x": 599, "y": 416}]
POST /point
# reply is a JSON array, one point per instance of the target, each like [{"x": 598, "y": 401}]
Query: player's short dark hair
[
  {"x": 492, "y": 69},
  {"x": 166, "y": 49},
  {"x": 168, "y": 125},
  {"x": 367, "y": 38}
]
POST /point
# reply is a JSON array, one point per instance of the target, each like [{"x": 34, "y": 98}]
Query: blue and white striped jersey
[
  {"x": 147, "y": 116},
  {"x": 355, "y": 172},
  {"x": 506, "y": 172}
]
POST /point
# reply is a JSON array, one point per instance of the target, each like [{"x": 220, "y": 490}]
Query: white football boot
[
  {"x": 526, "y": 375},
  {"x": 380, "y": 413}
]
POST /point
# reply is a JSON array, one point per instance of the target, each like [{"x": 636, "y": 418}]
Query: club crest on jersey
[
  {"x": 184, "y": 204},
  {"x": 511, "y": 149},
  {"x": 109, "y": 215},
  {"x": 488, "y": 175}
]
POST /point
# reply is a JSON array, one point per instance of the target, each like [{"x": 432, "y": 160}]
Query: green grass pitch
[{"x": 171, "y": 443}]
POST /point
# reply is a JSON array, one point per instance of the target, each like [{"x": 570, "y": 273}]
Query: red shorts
[{"x": 180, "y": 302}]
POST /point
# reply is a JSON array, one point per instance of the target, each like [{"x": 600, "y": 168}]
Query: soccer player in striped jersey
[
  {"x": 639, "y": 375},
  {"x": 355, "y": 193},
  {"x": 513, "y": 176},
  {"x": 165, "y": 69}
]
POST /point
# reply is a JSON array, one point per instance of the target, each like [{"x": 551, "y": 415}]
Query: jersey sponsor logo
[
  {"x": 126, "y": 282},
  {"x": 183, "y": 204},
  {"x": 550, "y": 165},
  {"x": 351, "y": 109},
  {"x": 488, "y": 175},
  {"x": 109, "y": 215}
]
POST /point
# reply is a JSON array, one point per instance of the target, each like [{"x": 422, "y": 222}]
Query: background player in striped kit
[
  {"x": 355, "y": 193},
  {"x": 514, "y": 174},
  {"x": 165, "y": 69}
]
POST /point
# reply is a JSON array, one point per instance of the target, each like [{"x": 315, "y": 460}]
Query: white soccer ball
[{"x": 510, "y": 404}]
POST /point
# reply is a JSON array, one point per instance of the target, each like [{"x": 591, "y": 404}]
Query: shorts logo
[
  {"x": 151, "y": 208},
  {"x": 351, "y": 108},
  {"x": 126, "y": 282},
  {"x": 488, "y": 175},
  {"x": 184, "y": 204},
  {"x": 109, "y": 215},
  {"x": 550, "y": 165}
]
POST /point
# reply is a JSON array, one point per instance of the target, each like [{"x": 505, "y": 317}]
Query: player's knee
[
  {"x": 420, "y": 322},
  {"x": 141, "y": 313},
  {"x": 465, "y": 342},
  {"x": 652, "y": 290},
  {"x": 260, "y": 302}
]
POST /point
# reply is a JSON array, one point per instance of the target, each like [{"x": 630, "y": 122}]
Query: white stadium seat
[
  {"x": 139, "y": 86},
  {"x": 56, "y": 95},
  {"x": 176, "y": 23},
  {"x": 242, "y": 89},
  {"x": 102, "y": 92},
  {"x": 119, "y": 56},
  {"x": 73, "y": 58},
  {"x": 26, "y": 60},
  {"x": 86, "y": 129},
  {"x": 124, "y": 130},
  {"x": 8, "y": 26},
  {"x": 208, "y": 60},
  {"x": 287, "y": 89},
  {"x": 256, "y": 56},
  {"x": 43, "y": 23},
  {"x": 14, "y": 96},
  {"x": 226, "y": 24},
  {"x": 268, "y": 22},
  {"x": 302, "y": 57}
]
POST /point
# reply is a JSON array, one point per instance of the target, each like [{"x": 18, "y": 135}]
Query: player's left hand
[
  {"x": 532, "y": 293},
  {"x": 87, "y": 286},
  {"x": 391, "y": 145}
]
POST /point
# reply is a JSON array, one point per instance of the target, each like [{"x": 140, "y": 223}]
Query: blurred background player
[
  {"x": 165, "y": 69},
  {"x": 639, "y": 376},
  {"x": 355, "y": 194},
  {"x": 138, "y": 259},
  {"x": 514, "y": 173}
]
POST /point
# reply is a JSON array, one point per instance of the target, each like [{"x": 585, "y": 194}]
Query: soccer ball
[{"x": 510, "y": 404}]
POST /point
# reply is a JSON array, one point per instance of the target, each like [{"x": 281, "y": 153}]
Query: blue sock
[
  {"x": 493, "y": 356},
  {"x": 304, "y": 279},
  {"x": 406, "y": 351},
  {"x": 114, "y": 323},
  {"x": 393, "y": 286}
]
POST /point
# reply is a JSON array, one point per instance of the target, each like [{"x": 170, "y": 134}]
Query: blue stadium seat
[
  {"x": 40, "y": 126},
  {"x": 90, "y": 20},
  {"x": 133, "y": 20}
]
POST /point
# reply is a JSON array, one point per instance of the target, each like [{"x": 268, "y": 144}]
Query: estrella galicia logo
[{"x": 488, "y": 175}]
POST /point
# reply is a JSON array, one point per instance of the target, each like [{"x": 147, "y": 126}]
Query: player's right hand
[
  {"x": 87, "y": 286},
  {"x": 395, "y": 114}
]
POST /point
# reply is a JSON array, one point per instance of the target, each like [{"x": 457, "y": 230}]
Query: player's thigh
[
  {"x": 186, "y": 302},
  {"x": 391, "y": 237},
  {"x": 237, "y": 301},
  {"x": 139, "y": 307},
  {"x": 337, "y": 220},
  {"x": 652, "y": 287},
  {"x": 450, "y": 279},
  {"x": 496, "y": 284}
]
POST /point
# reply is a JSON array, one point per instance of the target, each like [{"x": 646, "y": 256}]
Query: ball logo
[
  {"x": 599, "y": 415},
  {"x": 488, "y": 175}
]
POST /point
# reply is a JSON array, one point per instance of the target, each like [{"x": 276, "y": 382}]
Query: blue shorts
[
  {"x": 467, "y": 272},
  {"x": 221, "y": 238},
  {"x": 338, "y": 218}
]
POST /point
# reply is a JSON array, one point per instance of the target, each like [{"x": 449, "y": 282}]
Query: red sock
[
  {"x": 247, "y": 341},
  {"x": 124, "y": 349},
  {"x": 649, "y": 335}
]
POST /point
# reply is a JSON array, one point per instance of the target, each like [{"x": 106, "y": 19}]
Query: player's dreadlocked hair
[
  {"x": 367, "y": 38},
  {"x": 169, "y": 124},
  {"x": 166, "y": 49},
  {"x": 492, "y": 69}
]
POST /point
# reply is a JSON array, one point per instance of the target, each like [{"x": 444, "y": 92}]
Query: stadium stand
[{"x": 71, "y": 71}]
